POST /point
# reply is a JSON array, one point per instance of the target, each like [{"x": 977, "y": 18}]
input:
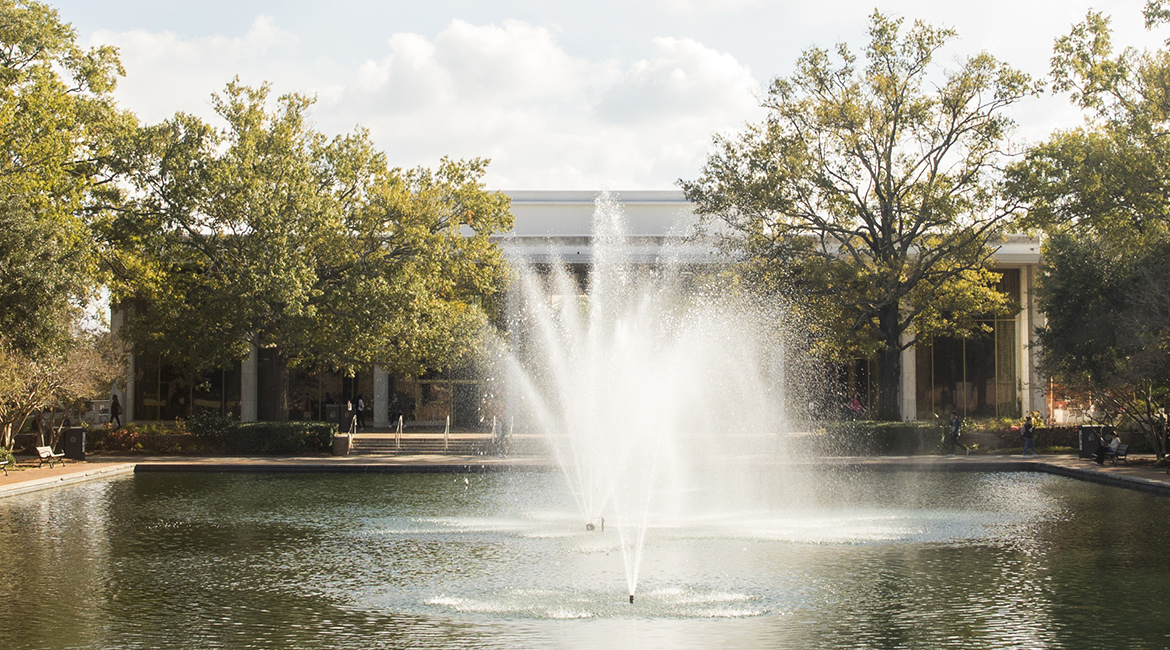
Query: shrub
[
  {"x": 124, "y": 439},
  {"x": 1046, "y": 437},
  {"x": 869, "y": 438},
  {"x": 209, "y": 425},
  {"x": 279, "y": 437}
]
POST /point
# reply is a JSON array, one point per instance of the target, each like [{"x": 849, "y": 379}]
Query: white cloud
[
  {"x": 684, "y": 78},
  {"x": 510, "y": 92},
  {"x": 166, "y": 73},
  {"x": 686, "y": 7}
]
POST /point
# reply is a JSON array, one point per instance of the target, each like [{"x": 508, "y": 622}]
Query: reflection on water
[{"x": 501, "y": 561}]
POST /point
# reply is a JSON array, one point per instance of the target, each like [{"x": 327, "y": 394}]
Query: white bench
[{"x": 46, "y": 455}]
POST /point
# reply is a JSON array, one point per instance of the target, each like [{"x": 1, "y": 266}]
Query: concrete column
[
  {"x": 909, "y": 387},
  {"x": 1024, "y": 327},
  {"x": 381, "y": 398},
  {"x": 249, "y": 374},
  {"x": 126, "y": 397},
  {"x": 1034, "y": 386}
]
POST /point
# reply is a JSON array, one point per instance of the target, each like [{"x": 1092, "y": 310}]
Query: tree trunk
[
  {"x": 273, "y": 386},
  {"x": 890, "y": 366}
]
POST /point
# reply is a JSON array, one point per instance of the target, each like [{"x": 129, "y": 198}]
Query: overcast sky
[{"x": 559, "y": 95}]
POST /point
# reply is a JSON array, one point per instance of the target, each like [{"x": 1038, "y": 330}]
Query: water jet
[{"x": 639, "y": 377}]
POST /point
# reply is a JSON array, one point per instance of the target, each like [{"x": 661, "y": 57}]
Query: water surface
[{"x": 869, "y": 560}]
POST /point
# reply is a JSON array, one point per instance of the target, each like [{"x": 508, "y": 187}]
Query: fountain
[
  {"x": 648, "y": 384},
  {"x": 660, "y": 395}
]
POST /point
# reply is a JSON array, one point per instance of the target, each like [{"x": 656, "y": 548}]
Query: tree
[
  {"x": 1107, "y": 332},
  {"x": 56, "y": 115},
  {"x": 1101, "y": 191},
  {"x": 1113, "y": 174},
  {"x": 873, "y": 192},
  {"x": 57, "y": 119},
  {"x": 31, "y": 386},
  {"x": 265, "y": 233}
]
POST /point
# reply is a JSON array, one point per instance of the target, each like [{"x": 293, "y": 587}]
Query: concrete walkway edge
[
  {"x": 1149, "y": 480},
  {"x": 69, "y": 478}
]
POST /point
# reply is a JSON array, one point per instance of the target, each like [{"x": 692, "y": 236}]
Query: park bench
[
  {"x": 46, "y": 455},
  {"x": 1122, "y": 453},
  {"x": 4, "y": 466}
]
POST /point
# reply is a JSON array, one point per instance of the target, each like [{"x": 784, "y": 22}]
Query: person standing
[
  {"x": 361, "y": 413},
  {"x": 115, "y": 411},
  {"x": 1029, "y": 436},
  {"x": 956, "y": 427}
]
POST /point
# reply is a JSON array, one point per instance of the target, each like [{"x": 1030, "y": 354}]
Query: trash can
[
  {"x": 1090, "y": 437},
  {"x": 74, "y": 443},
  {"x": 341, "y": 444}
]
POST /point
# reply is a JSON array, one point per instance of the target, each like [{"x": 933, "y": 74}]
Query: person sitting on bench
[{"x": 1107, "y": 448}]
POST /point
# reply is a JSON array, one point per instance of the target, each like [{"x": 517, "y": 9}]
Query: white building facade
[{"x": 992, "y": 376}]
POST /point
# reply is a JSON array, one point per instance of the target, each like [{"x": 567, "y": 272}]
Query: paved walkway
[{"x": 27, "y": 477}]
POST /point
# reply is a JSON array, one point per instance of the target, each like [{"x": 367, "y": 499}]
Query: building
[
  {"x": 986, "y": 377},
  {"x": 992, "y": 376}
]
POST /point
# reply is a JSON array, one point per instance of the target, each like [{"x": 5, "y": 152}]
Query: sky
[{"x": 566, "y": 95}]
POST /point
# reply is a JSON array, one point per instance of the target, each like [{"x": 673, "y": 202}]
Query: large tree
[
  {"x": 871, "y": 190},
  {"x": 57, "y": 121},
  {"x": 1106, "y": 339},
  {"x": 1102, "y": 191},
  {"x": 56, "y": 115},
  {"x": 1111, "y": 175},
  {"x": 264, "y": 232}
]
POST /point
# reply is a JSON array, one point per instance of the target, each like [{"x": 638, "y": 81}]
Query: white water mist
[{"x": 650, "y": 386}]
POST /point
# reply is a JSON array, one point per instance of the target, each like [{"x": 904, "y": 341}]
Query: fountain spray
[{"x": 629, "y": 380}]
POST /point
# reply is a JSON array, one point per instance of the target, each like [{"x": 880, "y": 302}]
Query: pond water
[{"x": 869, "y": 560}]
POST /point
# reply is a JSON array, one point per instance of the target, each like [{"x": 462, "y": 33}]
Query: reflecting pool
[{"x": 865, "y": 560}]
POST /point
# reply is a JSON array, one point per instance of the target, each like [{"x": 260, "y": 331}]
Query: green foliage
[
  {"x": 57, "y": 121},
  {"x": 872, "y": 192},
  {"x": 870, "y": 438},
  {"x": 1111, "y": 175},
  {"x": 265, "y": 232},
  {"x": 209, "y": 425},
  {"x": 208, "y": 432},
  {"x": 1107, "y": 334},
  {"x": 1048, "y": 438},
  {"x": 1102, "y": 192},
  {"x": 279, "y": 437},
  {"x": 124, "y": 439},
  {"x": 56, "y": 118}
]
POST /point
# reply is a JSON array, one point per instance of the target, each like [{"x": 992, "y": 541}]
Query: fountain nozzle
[
  {"x": 631, "y": 598},
  {"x": 589, "y": 526}
]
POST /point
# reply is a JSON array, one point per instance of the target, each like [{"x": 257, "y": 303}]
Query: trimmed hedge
[
  {"x": 278, "y": 437},
  {"x": 213, "y": 433},
  {"x": 133, "y": 440},
  {"x": 873, "y": 438},
  {"x": 1045, "y": 437}
]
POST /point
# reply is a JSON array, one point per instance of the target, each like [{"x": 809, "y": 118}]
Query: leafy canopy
[
  {"x": 1100, "y": 190},
  {"x": 266, "y": 232},
  {"x": 56, "y": 119},
  {"x": 871, "y": 191}
]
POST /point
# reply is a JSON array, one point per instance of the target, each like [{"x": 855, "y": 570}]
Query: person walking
[
  {"x": 115, "y": 411},
  {"x": 1029, "y": 432},
  {"x": 956, "y": 427}
]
